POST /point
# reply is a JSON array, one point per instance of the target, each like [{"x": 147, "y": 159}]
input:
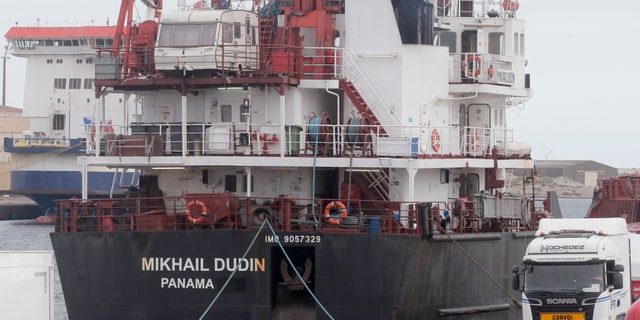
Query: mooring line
[
  {"x": 465, "y": 252},
  {"x": 299, "y": 276},
  {"x": 234, "y": 271}
]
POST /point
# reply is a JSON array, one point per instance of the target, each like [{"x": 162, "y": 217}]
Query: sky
[{"x": 580, "y": 54}]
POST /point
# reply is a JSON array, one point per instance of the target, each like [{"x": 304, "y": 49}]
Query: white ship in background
[{"x": 60, "y": 101}]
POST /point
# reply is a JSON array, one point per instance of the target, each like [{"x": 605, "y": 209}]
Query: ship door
[
  {"x": 478, "y": 124},
  {"x": 469, "y": 49},
  {"x": 469, "y": 184}
]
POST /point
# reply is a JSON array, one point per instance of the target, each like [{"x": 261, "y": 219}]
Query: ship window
[
  {"x": 78, "y": 61},
  {"x": 48, "y": 43},
  {"x": 470, "y": 41},
  {"x": 253, "y": 35},
  {"x": 75, "y": 83},
  {"x": 49, "y": 61},
  {"x": 227, "y": 33},
  {"x": 496, "y": 43},
  {"x": 498, "y": 116},
  {"x": 59, "y": 83},
  {"x": 88, "y": 83},
  {"x": 244, "y": 185},
  {"x": 89, "y": 61},
  {"x": 67, "y": 43},
  {"x": 164, "y": 39},
  {"x": 237, "y": 33},
  {"x": 208, "y": 34},
  {"x": 186, "y": 35},
  {"x": 225, "y": 113},
  {"x": 58, "y": 61},
  {"x": 230, "y": 183},
  {"x": 446, "y": 39},
  {"x": 58, "y": 122}
]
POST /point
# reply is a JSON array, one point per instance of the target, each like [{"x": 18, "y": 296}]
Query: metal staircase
[{"x": 367, "y": 98}]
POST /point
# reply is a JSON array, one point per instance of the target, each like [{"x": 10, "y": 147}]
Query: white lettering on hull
[
  {"x": 186, "y": 283},
  {"x": 173, "y": 264}
]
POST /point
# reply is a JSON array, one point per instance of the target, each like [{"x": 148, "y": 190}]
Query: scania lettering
[{"x": 577, "y": 269}]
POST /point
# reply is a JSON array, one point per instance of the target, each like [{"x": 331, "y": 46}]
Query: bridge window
[
  {"x": 59, "y": 83},
  {"x": 88, "y": 83},
  {"x": 75, "y": 83},
  {"x": 496, "y": 43},
  {"x": 446, "y": 39},
  {"x": 470, "y": 41}
]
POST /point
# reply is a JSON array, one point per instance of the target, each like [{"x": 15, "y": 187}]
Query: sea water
[{"x": 27, "y": 236}]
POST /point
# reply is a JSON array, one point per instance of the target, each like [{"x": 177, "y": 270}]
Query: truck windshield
[{"x": 569, "y": 278}]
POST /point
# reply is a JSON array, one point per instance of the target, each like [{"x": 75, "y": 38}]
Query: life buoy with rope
[
  {"x": 203, "y": 212},
  {"x": 435, "y": 140},
  {"x": 341, "y": 207},
  {"x": 475, "y": 140},
  {"x": 471, "y": 60}
]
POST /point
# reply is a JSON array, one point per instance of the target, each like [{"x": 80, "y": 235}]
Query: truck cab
[{"x": 576, "y": 269}]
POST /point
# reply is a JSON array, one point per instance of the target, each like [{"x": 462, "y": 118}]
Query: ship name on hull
[{"x": 203, "y": 264}]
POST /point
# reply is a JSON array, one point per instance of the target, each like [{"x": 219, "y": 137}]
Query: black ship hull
[{"x": 185, "y": 275}]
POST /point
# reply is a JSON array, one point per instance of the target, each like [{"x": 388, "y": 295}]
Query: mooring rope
[
  {"x": 465, "y": 252},
  {"x": 234, "y": 271},
  {"x": 288, "y": 260},
  {"x": 298, "y": 274}
]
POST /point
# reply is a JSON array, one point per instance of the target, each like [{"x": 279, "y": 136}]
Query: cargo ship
[{"x": 326, "y": 159}]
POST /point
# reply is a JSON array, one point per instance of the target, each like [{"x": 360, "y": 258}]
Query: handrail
[{"x": 228, "y": 211}]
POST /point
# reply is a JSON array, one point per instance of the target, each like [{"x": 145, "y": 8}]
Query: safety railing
[
  {"x": 482, "y": 68},
  {"x": 477, "y": 8},
  {"x": 226, "y": 211},
  {"x": 267, "y": 139}
]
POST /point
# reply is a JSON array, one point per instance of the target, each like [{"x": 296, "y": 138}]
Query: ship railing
[
  {"x": 226, "y": 211},
  {"x": 266, "y": 139},
  {"x": 474, "y": 67},
  {"x": 477, "y": 8}
]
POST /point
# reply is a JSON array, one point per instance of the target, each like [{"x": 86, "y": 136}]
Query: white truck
[{"x": 576, "y": 269}]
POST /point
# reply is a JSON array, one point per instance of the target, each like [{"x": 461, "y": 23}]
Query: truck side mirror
[
  {"x": 515, "y": 281},
  {"x": 618, "y": 268},
  {"x": 618, "y": 282}
]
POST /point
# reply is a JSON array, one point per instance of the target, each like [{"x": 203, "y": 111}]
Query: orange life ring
[
  {"x": 470, "y": 60},
  {"x": 475, "y": 140},
  {"x": 203, "y": 212},
  {"x": 510, "y": 5},
  {"x": 327, "y": 212},
  {"x": 435, "y": 140}
]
